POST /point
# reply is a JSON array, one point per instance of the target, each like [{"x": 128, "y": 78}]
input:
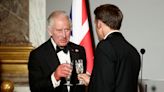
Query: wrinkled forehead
[{"x": 60, "y": 20}]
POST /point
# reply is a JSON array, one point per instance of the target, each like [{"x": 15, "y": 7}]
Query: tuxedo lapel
[
  {"x": 74, "y": 52},
  {"x": 53, "y": 60}
]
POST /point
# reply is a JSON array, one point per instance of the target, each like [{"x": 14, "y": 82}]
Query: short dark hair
[{"x": 109, "y": 14}]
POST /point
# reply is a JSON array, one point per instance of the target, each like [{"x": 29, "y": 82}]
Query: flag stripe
[
  {"x": 84, "y": 12},
  {"x": 76, "y": 21},
  {"x": 86, "y": 42}
]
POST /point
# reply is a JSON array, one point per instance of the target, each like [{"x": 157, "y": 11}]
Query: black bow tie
[{"x": 64, "y": 49}]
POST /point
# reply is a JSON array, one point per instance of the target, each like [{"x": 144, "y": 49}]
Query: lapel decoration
[
  {"x": 74, "y": 53},
  {"x": 76, "y": 50}
]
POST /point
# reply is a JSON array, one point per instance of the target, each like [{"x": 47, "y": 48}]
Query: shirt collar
[
  {"x": 110, "y": 33},
  {"x": 53, "y": 43}
]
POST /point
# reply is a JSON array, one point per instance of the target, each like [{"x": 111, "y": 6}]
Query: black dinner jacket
[
  {"x": 116, "y": 66},
  {"x": 43, "y": 61}
]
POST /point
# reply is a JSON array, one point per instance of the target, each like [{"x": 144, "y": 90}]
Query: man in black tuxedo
[
  {"x": 48, "y": 64},
  {"x": 117, "y": 62}
]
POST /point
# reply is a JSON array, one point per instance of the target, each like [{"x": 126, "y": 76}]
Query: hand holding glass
[{"x": 79, "y": 68}]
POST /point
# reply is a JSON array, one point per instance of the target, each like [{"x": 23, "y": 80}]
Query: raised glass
[
  {"x": 68, "y": 78},
  {"x": 79, "y": 68}
]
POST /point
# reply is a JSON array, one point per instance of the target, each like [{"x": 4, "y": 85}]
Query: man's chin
[{"x": 63, "y": 44}]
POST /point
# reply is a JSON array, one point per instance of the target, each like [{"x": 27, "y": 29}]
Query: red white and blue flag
[{"x": 80, "y": 30}]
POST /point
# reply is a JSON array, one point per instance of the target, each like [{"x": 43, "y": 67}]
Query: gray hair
[{"x": 56, "y": 14}]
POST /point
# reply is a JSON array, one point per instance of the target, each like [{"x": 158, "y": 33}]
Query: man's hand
[
  {"x": 85, "y": 78},
  {"x": 63, "y": 70}
]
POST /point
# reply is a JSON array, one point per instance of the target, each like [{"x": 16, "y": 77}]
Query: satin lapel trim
[{"x": 52, "y": 59}]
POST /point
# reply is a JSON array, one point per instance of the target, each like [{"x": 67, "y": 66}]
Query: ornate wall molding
[{"x": 13, "y": 63}]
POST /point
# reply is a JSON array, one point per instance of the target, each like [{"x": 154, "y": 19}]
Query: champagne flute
[
  {"x": 79, "y": 68},
  {"x": 68, "y": 78}
]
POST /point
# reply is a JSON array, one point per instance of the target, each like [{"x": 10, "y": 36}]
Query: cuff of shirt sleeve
[{"x": 54, "y": 81}]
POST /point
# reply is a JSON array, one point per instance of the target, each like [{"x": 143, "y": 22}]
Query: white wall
[{"x": 142, "y": 26}]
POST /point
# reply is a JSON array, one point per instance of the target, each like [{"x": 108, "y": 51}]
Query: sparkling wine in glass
[
  {"x": 79, "y": 68},
  {"x": 68, "y": 78}
]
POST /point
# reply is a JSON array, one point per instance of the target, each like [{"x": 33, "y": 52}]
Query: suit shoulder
[
  {"x": 75, "y": 45},
  {"x": 42, "y": 47}
]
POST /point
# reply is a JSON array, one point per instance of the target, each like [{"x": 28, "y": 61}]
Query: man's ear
[
  {"x": 99, "y": 24},
  {"x": 49, "y": 31}
]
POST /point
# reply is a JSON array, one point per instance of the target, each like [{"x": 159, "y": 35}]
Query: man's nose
[{"x": 64, "y": 33}]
